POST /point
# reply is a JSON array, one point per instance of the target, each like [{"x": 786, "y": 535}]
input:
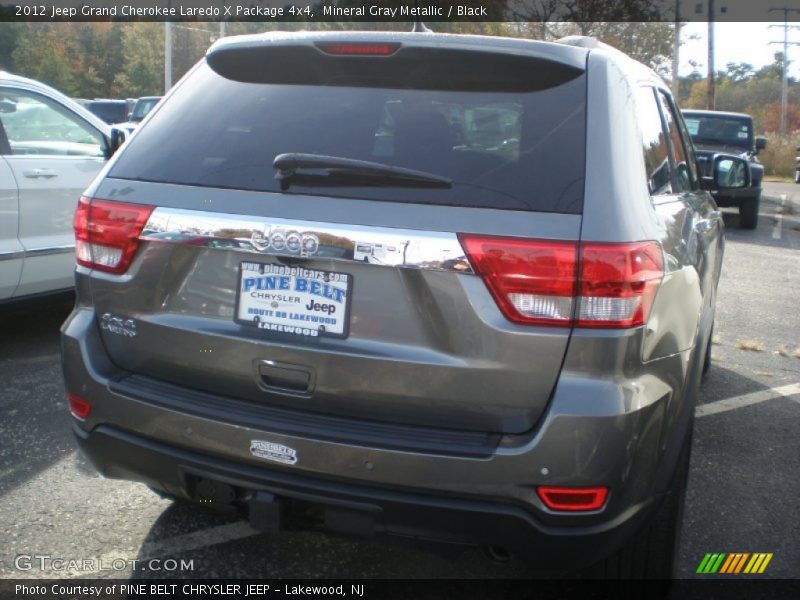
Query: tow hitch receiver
[{"x": 265, "y": 512}]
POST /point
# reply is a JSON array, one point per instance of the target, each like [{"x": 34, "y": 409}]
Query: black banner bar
[
  {"x": 392, "y": 11},
  {"x": 711, "y": 588}
]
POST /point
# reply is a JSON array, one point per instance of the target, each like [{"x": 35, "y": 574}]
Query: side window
[
  {"x": 654, "y": 142},
  {"x": 685, "y": 174},
  {"x": 36, "y": 125}
]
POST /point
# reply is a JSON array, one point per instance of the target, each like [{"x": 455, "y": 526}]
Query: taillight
[
  {"x": 532, "y": 281},
  {"x": 545, "y": 282},
  {"x": 358, "y": 48},
  {"x": 573, "y": 499},
  {"x": 79, "y": 407},
  {"x": 107, "y": 233},
  {"x": 618, "y": 283}
]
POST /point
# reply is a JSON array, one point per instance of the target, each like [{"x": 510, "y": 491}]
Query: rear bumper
[
  {"x": 361, "y": 510},
  {"x": 597, "y": 431}
]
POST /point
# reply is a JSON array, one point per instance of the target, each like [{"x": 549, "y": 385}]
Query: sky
[{"x": 737, "y": 42}]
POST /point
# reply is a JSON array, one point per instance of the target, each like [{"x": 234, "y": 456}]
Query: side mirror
[
  {"x": 730, "y": 173},
  {"x": 115, "y": 140},
  {"x": 761, "y": 143}
]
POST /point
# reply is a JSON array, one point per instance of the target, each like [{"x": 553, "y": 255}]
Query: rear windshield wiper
[{"x": 290, "y": 166}]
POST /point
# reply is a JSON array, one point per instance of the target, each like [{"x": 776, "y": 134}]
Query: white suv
[{"x": 50, "y": 150}]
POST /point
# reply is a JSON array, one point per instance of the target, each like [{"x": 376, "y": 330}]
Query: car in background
[
  {"x": 110, "y": 111},
  {"x": 50, "y": 150},
  {"x": 140, "y": 110},
  {"x": 714, "y": 132},
  {"x": 797, "y": 167}
]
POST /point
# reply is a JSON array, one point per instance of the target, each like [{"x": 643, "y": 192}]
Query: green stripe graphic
[
  {"x": 703, "y": 562},
  {"x": 717, "y": 564}
]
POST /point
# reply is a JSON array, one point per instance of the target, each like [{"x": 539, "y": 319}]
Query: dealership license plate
[{"x": 293, "y": 300}]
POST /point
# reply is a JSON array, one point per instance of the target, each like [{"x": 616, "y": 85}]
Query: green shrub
[{"x": 778, "y": 157}]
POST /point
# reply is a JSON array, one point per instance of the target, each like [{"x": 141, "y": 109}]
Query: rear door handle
[{"x": 40, "y": 174}]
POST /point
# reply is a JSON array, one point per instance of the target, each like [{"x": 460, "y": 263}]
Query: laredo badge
[{"x": 274, "y": 452}]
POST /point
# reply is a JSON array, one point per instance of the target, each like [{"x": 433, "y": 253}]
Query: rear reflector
[
  {"x": 107, "y": 233},
  {"x": 545, "y": 282},
  {"x": 359, "y": 49},
  {"x": 79, "y": 407},
  {"x": 573, "y": 499}
]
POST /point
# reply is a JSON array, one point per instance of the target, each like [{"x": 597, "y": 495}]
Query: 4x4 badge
[{"x": 274, "y": 452}]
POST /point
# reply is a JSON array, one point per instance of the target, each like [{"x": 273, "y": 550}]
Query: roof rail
[{"x": 585, "y": 41}]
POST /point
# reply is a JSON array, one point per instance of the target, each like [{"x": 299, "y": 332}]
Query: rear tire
[
  {"x": 653, "y": 552},
  {"x": 748, "y": 212},
  {"x": 707, "y": 358}
]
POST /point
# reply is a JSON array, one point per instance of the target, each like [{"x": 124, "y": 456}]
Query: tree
[
  {"x": 738, "y": 72},
  {"x": 142, "y": 73},
  {"x": 10, "y": 34},
  {"x": 41, "y": 53},
  {"x": 651, "y": 43}
]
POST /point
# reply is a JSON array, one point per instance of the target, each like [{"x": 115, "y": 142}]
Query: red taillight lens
[
  {"x": 544, "y": 282},
  {"x": 359, "y": 48},
  {"x": 618, "y": 283},
  {"x": 79, "y": 407},
  {"x": 532, "y": 281},
  {"x": 107, "y": 233},
  {"x": 573, "y": 499}
]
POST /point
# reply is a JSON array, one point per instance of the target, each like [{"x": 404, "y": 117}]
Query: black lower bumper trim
[{"x": 119, "y": 454}]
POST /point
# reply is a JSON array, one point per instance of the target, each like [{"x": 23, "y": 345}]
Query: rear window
[
  {"x": 719, "y": 129},
  {"x": 509, "y": 149}
]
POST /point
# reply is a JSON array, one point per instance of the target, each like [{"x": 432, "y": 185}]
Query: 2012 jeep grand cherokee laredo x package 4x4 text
[{"x": 447, "y": 287}]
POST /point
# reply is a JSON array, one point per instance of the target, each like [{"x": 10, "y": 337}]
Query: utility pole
[
  {"x": 222, "y": 24},
  {"x": 785, "y": 66},
  {"x": 167, "y": 56},
  {"x": 710, "y": 100},
  {"x": 168, "y": 53},
  {"x": 676, "y": 52}
]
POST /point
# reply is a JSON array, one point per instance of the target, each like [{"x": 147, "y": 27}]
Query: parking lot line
[
  {"x": 176, "y": 546},
  {"x": 727, "y": 404},
  {"x": 776, "y": 231}
]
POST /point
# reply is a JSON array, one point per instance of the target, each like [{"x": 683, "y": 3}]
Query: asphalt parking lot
[{"x": 744, "y": 489}]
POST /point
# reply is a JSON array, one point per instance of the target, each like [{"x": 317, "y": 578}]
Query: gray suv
[{"x": 444, "y": 287}]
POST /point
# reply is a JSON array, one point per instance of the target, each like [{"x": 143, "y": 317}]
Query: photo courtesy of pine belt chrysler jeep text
[{"x": 447, "y": 287}]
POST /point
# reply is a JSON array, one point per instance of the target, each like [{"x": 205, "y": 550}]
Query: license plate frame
[{"x": 295, "y": 318}]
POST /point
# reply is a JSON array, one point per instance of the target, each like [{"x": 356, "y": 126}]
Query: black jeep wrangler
[{"x": 716, "y": 132}]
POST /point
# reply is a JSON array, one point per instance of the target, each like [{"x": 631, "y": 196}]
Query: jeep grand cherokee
[{"x": 446, "y": 287}]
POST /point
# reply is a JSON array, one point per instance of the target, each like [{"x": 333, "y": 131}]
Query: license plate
[{"x": 293, "y": 300}]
